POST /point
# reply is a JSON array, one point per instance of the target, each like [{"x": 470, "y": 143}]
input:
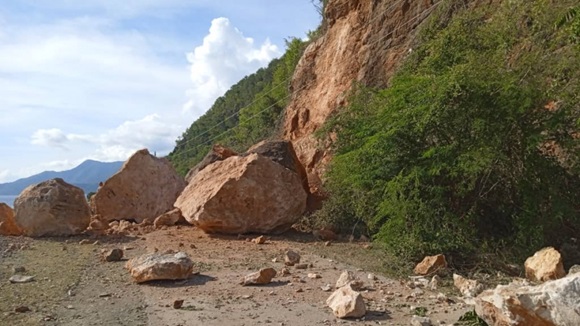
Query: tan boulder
[
  {"x": 553, "y": 303},
  {"x": 346, "y": 303},
  {"x": 145, "y": 187},
  {"x": 7, "y": 224},
  {"x": 545, "y": 265},
  {"x": 168, "y": 219},
  {"x": 250, "y": 194},
  {"x": 431, "y": 264},
  {"x": 51, "y": 208},
  {"x": 217, "y": 153},
  {"x": 263, "y": 276},
  {"x": 151, "y": 267}
]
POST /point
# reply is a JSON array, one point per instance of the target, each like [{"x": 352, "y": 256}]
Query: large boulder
[
  {"x": 51, "y": 208},
  {"x": 7, "y": 224},
  {"x": 156, "y": 266},
  {"x": 282, "y": 152},
  {"x": 145, "y": 187},
  {"x": 545, "y": 265},
  {"x": 554, "y": 303},
  {"x": 217, "y": 153},
  {"x": 243, "y": 194}
]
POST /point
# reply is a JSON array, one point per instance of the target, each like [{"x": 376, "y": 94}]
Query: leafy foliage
[
  {"x": 475, "y": 145},
  {"x": 249, "y": 112}
]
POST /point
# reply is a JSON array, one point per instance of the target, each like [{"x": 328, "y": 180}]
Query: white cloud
[
  {"x": 225, "y": 57},
  {"x": 116, "y": 144},
  {"x": 50, "y": 137}
]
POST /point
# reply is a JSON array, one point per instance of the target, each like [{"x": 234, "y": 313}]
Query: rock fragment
[
  {"x": 431, "y": 264},
  {"x": 115, "y": 254},
  {"x": 158, "y": 266},
  {"x": 545, "y": 265},
  {"x": 291, "y": 258},
  {"x": 263, "y": 276},
  {"x": 346, "y": 303}
]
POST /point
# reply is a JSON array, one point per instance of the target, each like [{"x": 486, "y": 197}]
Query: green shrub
[{"x": 452, "y": 156}]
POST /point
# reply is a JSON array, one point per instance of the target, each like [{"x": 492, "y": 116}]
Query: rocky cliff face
[{"x": 365, "y": 41}]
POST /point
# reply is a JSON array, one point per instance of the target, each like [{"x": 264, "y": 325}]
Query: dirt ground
[{"x": 73, "y": 286}]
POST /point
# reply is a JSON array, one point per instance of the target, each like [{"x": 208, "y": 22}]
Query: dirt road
[{"x": 73, "y": 286}]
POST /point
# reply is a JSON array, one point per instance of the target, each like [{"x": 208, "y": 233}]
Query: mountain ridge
[{"x": 86, "y": 176}]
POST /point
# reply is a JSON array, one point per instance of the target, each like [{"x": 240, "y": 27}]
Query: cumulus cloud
[
  {"x": 225, "y": 57},
  {"x": 50, "y": 137},
  {"x": 117, "y": 144}
]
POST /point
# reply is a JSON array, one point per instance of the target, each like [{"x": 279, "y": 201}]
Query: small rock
[
  {"x": 430, "y": 264},
  {"x": 96, "y": 243},
  {"x": 285, "y": 272},
  {"x": 300, "y": 290},
  {"x": 434, "y": 283},
  {"x": 157, "y": 266},
  {"x": 327, "y": 243},
  {"x": 192, "y": 246},
  {"x": 314, "y": 275},
  {"x": 301, "y": 266},
  {"x": 326, "y": 288},
  {"x": 468, "y": 288},
  {"x": 177, "y": 304},
  {"x": 84, "y": 242},
  {"x": 275, "y": 260},
  {"x": 291, "y": 258},
  {"x": 22, "y": 309},
  {"x": 345, "y": 303},
  {"x": 264, "y": 276},
  {"x": 259, "y": 240},
  {"x": 372, "y": 277},
  {"x": 420, "y": 321},
  {"x": 545, "y": 265},
  {"x": 348, "y": 278},
  {"x": 104, "y": 295},
  {"x": 21, "y": 279},
  {"x": 113, "y": 255}
]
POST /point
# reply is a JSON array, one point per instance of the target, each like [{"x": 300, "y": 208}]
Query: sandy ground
[{"x": 73, "y": 286}]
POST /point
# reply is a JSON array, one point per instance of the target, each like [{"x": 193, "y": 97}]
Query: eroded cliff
[{"x": 364, "y": 42}]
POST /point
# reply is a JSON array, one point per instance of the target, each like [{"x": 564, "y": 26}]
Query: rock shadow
[{"x": 198, "y": 279}]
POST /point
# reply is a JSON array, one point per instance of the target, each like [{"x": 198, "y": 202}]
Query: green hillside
[{"x": 249, "y": 112}]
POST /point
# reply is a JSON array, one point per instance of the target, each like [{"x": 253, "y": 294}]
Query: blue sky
[{"x": 100, "y": 79}]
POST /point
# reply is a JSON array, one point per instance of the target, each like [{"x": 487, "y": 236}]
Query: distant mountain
[{"x": 86, "y": 176}]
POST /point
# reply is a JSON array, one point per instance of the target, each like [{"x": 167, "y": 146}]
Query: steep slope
[
  {"x": 86, "y": 176},
  {"x": 365, "y": 41}
]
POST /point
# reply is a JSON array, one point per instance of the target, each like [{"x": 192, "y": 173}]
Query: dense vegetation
[
  {"x": 474, "y": 147},
  {"x": 249, "y": 112}
]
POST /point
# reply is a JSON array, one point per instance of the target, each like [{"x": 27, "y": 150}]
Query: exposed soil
[{"x": 73, "y": 286}]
